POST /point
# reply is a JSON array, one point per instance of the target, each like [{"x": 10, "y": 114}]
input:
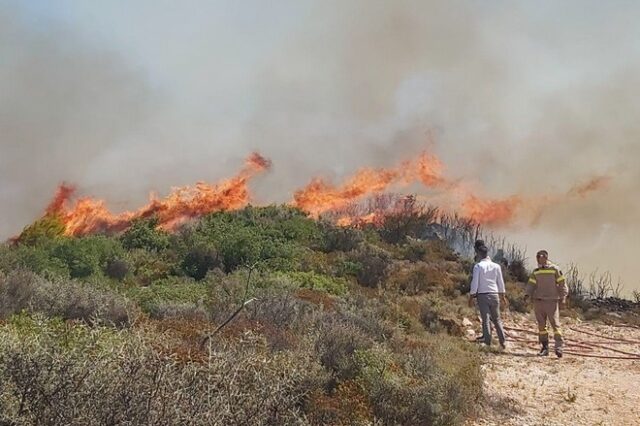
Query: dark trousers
[{"x": 489, "y": 305}]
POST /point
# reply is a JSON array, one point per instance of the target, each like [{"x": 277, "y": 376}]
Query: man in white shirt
[{"x": 487, "y": 286}]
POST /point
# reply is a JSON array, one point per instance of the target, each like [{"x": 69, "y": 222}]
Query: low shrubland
[{"x": 258, "y": 316}]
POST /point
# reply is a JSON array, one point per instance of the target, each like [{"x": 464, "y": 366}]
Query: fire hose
[{"x": 582, "y": 348}]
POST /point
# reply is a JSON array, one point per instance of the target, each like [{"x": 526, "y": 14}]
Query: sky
[{"x": 526, "y": 97}]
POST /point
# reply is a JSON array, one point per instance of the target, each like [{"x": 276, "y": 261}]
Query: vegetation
[{"x": 330, "y": 325}]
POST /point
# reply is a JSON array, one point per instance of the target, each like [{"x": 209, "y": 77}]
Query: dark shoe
[
  {"x": 503, "y": 346},
  {"x": 544, "y": 351},
  {"x": 559, "y": 352}
]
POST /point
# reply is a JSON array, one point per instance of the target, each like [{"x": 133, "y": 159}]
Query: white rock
[{"x": 466, "y": 322}]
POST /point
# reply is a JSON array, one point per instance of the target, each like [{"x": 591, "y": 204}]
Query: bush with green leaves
[
  {"x": 144, "y": 234},
  {"x": 42, "y": 230},
  {"x": 86, "y": 255},
  {"x": 173, "y": 291}
]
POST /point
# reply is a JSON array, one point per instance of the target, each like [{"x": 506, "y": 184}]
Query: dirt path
[{"x": 523, "y": 389}]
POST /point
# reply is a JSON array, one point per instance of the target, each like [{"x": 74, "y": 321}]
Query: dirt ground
[{"x": 578, "y": 389}]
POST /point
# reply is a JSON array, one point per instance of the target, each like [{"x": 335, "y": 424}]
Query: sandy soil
[{"x": 523, "y": 389}]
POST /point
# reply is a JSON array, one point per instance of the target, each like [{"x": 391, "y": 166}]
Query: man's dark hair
[
  {"x": 483, "y": 251},
  {"x": 542, "y": 252},
  {"x": 478, "y": 243}
]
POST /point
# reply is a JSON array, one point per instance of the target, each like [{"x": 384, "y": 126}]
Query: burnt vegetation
[{"x": 256, "y": 316}]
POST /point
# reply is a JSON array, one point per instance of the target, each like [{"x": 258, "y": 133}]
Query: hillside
[{"x": 256, "y": 316}]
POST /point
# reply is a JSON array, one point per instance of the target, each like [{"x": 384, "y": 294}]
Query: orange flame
[
  {"x": 320, "y": 196},
  {"x": 491, "y": 211},
  {"x": 90, "y": 215}
]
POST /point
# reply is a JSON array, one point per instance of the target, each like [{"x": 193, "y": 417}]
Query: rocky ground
[{"x": 597, "y": 382}]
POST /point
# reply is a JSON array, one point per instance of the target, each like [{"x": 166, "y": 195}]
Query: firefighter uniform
[{"x": 546, "y": 287}]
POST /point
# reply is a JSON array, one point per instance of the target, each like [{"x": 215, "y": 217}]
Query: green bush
[
  {"x": 312, "y": 280},
  {"x": 175, "y": 290},
  {"x": 87, "y": 255},
  {"x": 43, "y": 230},
  {"x": 199, "y": 260},
  {"x": 144, "y": 234}
]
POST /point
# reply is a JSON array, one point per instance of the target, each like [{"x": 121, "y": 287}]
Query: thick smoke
[{"x": 525, "y": 98}]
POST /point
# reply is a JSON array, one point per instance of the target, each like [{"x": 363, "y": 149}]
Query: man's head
[
  {"x": 478, "y": 243},
  {"x": 542, "y": 256},
  {"x": 482, "y": 251}
]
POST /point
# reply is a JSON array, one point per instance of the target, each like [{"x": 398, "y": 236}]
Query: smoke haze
[{"x": 524, "y": 98}]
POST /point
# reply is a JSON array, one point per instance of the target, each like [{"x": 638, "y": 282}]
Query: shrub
[
  {"x": 23, "y": 290},
  {"x": 143, "y": 234},
  {"x": 50, "y": 375},
  {"x": 42, "y": 230},
  {"x": 87, "y": 255},
  {"x": 415, "y": 278},
  {"x": 37, "y": 259},
  {"x": 336, "y": 348},
  {"x": 174, "y": 290},
  {"x": 436, "y": 382},
  {"x": 518, "y": 271},
  {"x": 515, "y": 296},
  {"x": 371, "y": 264},
  {"x": 312, "y": 280},
  {"x": 339, "y": 238},
  {"x": 117, "y": 269},
  {"x": 147, "y": 267},
  {"x": 199, "y": 260}
]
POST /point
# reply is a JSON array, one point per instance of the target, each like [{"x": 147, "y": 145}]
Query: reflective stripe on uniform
[
  {"x": 543, "y": 332},
  {"x": 560, "y": 279},
  {"x": 557, "y": 332},
  {"x": 544, "y": 271},
  {"x": 532, "y": 280}
]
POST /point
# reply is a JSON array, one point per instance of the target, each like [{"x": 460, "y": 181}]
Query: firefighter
[{"x": 547, "y": 289}]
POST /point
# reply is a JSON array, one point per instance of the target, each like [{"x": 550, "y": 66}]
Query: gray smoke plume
[{"x": 521, "y": 98}]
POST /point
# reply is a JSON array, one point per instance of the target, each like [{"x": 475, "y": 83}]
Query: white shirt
[{"x": 487, "y": 278}]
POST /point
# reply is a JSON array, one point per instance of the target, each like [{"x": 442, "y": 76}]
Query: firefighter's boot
[
  {"x": 544, "y": 351},
  {"x": 559, "y": 352}
]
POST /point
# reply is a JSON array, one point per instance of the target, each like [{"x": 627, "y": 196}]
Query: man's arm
[
  {"x": 500, "y": 282},
  {"x": 561, "y": 282},
  {"x": 474, "y": 281},
  {"x": 531, "y": 286}
]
